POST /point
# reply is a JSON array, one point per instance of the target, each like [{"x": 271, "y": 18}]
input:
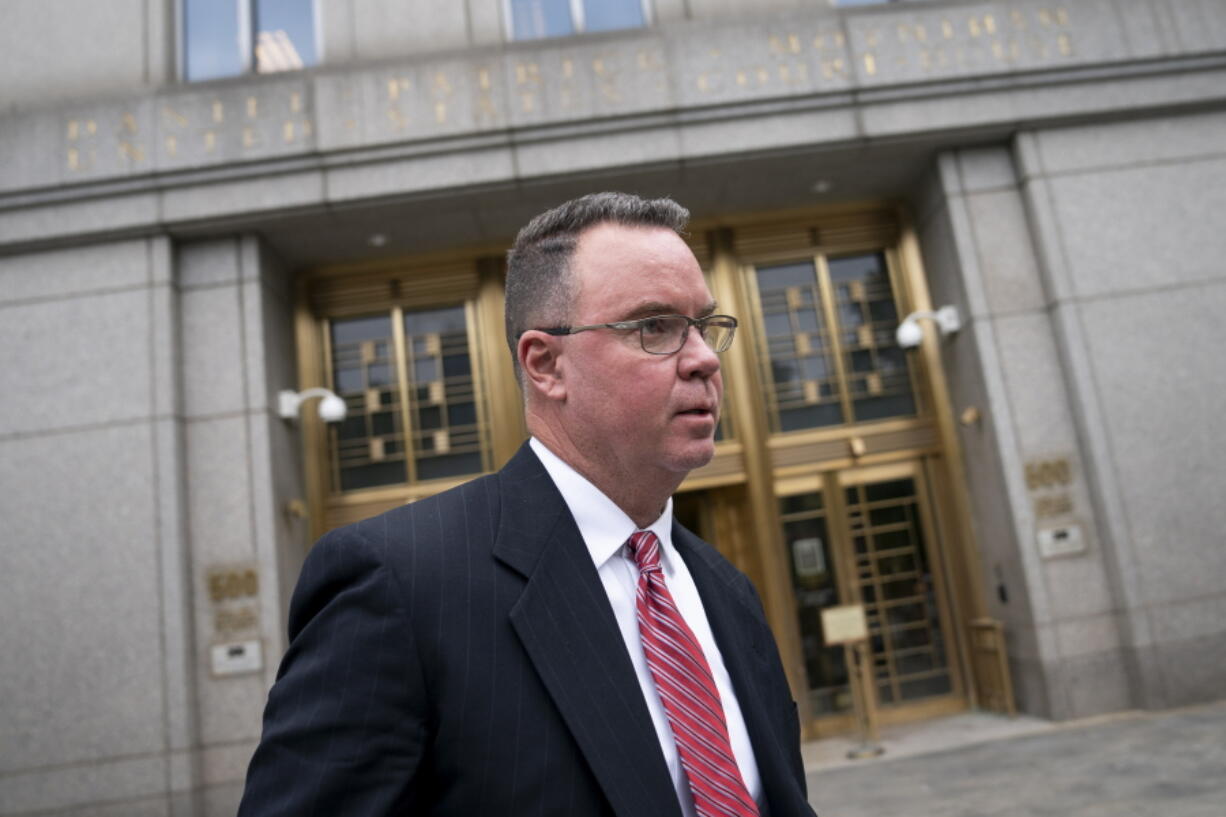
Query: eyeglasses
[{"x": 666, "y": 334}]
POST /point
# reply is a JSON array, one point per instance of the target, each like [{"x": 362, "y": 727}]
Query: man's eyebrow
[{"x": 650, "y": 308}]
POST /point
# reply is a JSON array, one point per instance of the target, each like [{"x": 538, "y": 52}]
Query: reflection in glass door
[
  {"x": 815, "y": 582},
  {"x": 871, "y": 549}
]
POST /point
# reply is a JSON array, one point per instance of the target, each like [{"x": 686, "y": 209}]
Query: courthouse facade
[{"x": 203, "y": 205}]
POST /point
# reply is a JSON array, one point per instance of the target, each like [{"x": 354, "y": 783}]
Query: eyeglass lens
[{"x": 666, "y": 334}]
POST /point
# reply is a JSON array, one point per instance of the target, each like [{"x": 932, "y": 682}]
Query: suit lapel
[{"x": 565, "y": 623}]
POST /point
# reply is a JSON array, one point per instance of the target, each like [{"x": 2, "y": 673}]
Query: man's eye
[{"x": 656, "y": 326}]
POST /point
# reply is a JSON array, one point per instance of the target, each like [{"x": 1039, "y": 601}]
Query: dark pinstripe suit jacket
[{"x": 459, "y": 656}]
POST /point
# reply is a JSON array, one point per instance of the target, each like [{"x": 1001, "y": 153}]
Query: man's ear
[{"x": 540, "y": 359}]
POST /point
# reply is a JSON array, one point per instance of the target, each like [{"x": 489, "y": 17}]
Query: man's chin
[{"x": 693, "y": 456}]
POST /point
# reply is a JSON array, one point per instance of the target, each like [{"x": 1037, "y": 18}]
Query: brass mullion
[
  {"x": 838, "y": 528},
  {"x": 834, "y": 332},
  {"x": 324, "y": 433},
  {"x": 402, "y": 381},
  {"x": 473, "y": 333},
  {"x": 902, "y": 297},
  {"x": 840, "y": 533},
  {"x": 954, "y": 503},
  {"x": 752, "y": 432},
  {"x": 755, "y": 320},
  {"x": 311, "y": 367},
  {"x": 957, "y": 659},
  {"x": 507, "y": 427}
]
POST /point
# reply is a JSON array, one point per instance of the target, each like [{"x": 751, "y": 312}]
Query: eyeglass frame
[{"x": 640, "y": 323}]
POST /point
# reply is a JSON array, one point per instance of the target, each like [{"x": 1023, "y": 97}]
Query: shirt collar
[{"x": 603, "y": 526}]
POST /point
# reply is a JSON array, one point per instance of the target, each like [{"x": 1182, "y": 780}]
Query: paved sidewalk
[{"x": 1151, "y": 764}]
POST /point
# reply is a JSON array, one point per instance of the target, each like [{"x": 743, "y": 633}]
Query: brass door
[{"x": 866, "y": 536}]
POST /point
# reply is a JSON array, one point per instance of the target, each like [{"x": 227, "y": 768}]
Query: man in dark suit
[{"x": 546, "y": 640}]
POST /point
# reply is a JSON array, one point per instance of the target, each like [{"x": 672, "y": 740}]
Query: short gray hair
[{"x": 540, "y": 290}]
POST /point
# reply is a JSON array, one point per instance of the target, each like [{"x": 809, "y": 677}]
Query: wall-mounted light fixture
[
  {"x": 331, "y": 407},
  {"x": 909, "y": 334}
]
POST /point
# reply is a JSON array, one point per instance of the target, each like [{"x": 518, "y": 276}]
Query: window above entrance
[
  {"x": 226, "y": 39},
  {"x": 537, "y": 19},
  {"x": 827, "y": 327},
  {"x": 407, "y": 380}
]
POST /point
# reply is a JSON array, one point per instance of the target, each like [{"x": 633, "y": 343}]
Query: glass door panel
[
  {"x": 815, "y": 584},
  {"x": 896, "y": 583},
  {"x": 869, "y": 547}
]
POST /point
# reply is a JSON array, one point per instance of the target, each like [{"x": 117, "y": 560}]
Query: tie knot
[{"x": 645, "y": 548}]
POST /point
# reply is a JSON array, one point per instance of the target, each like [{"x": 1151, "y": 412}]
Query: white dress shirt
[{"x": 605, "y": 529}]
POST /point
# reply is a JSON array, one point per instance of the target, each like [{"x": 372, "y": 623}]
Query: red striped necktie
[{"x": 687, "y": 691}]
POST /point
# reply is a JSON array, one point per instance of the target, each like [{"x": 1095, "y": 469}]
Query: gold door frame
[{"x": 755, "y": 461}]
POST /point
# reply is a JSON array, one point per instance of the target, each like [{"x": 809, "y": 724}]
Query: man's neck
[{"x": 640, "y": 498}]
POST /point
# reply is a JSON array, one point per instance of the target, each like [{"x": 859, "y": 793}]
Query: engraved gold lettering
[
  {"x": 989, "y": 24},
  {"x": 174, "y": 116},
  {"x": 947, "y": 29},
  {"x": 133, "y": 152},
  {"x": 921, "y": 33},
  {"x": 972, "y": 25},
  {"x": 248, "y": 137},
  {"x": 74, "y": 159},
  {"x": 870, "y": 64},
  {"x": 74, "y": 129},
  {"x": 172, "y": 145},
  {"x": 1062, "y": 16},
  {"x": 483, "y": 79},
  {"x": 794, "y": 43},
  {"x": 129, "y": 123},
  {"x": 91, "y": 127},
  {"x": 295, "y": 102},
  {"x": 253, "y": 107},
  {"x": 440, "y": 112},
  {"x": 287, "y": 131},
  {"x": 1064, "y": 44},
  {"x": 219, "y": 111}
]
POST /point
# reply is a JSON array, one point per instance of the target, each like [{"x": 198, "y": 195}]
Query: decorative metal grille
[
  {"x": 367, "y": 448},
  {"x": 803, "y": 380},
  {"x": 822, "y": 377},
  {"x": 429, "y": 390},
  {"x": 442, "y": 394},
  {"x": 897, "y": 588},
  {"x": 878, "y": 381}
]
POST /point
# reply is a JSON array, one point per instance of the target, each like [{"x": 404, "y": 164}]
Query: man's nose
[{"x": 697, "y": 359}]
